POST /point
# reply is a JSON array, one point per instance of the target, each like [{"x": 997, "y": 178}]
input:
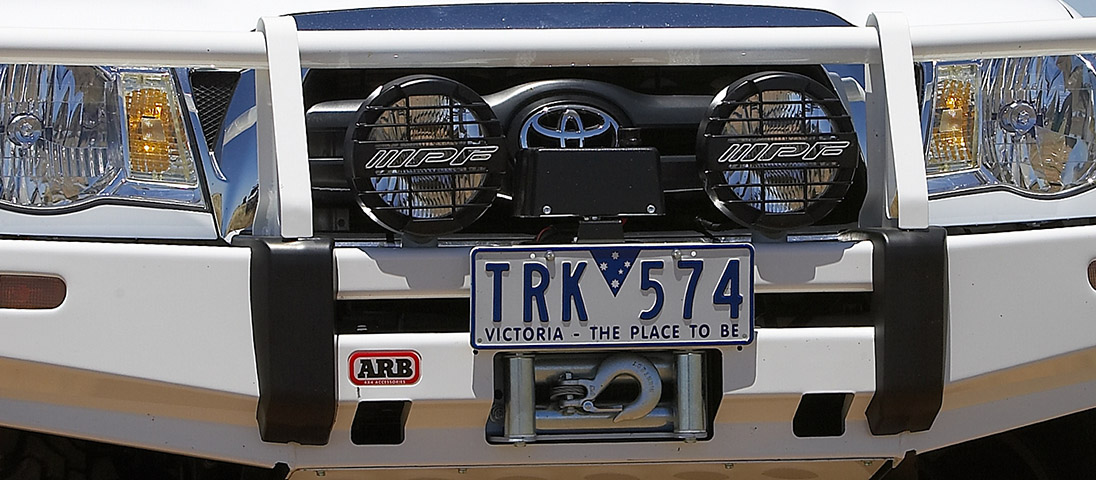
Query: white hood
[{"x": 242, "y": 15}]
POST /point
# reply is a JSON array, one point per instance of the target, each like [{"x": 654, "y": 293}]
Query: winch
[{"x": 599, "y": 396}]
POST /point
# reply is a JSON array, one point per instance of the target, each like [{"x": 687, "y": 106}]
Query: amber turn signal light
[{"x": 31, "y": 292}]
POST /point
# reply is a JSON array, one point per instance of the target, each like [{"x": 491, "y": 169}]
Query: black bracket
[
  {"x": 910, "y": 307},
  {"x": 604, "y": 230},
  {"x": 293, "y": 322}
]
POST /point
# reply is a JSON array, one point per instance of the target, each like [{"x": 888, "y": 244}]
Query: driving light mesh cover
[
  {"x": 425, "y": 156},
  {"x": 777, "y": 151}
]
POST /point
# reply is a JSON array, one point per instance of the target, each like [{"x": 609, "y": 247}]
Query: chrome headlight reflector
[
  {"x": 1025, "y": 124},
  {"x": 70, "y": 135}
]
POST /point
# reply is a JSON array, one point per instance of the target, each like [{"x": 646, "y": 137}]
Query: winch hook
[{"x": 635, "y": 366}]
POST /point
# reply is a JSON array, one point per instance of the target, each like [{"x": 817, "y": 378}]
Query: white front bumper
[{"x": 153, "y": 347}]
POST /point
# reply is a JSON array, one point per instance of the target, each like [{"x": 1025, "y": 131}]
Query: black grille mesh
[{"x": 212, "y": 93}]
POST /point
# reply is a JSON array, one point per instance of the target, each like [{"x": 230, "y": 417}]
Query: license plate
[{"x": 612, "y": 296}]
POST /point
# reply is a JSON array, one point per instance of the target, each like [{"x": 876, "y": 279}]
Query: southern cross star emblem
[{"x": 615, "y": 263}]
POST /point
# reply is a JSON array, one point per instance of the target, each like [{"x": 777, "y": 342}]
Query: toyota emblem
[{"x": 569, "y": 126}]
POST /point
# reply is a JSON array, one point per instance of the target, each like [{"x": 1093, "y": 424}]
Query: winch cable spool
[
  {"x": 425, "y": 156},
  {"x": 777, "y": 151}
]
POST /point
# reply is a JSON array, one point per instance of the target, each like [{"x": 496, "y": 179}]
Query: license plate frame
[{"x": 497, "y": 324}]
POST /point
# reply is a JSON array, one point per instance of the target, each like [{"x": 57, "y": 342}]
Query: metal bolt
[
  {"x": 867, "y": 463},
  {"x": 549, "y": 256},
  {"x": 676, "y": 254},
  {"x": 547, "y": 209},
  {"x": 728, "y": 466},
  {"x": 462, "y": 470},
  {"x": 650, "y": 209},
  {"x": 321, "y": 473}
]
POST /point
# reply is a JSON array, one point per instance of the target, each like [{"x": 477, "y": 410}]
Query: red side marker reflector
[
  {"x": 31, "y": 292},
  {"x": 1092, "y": 274}
]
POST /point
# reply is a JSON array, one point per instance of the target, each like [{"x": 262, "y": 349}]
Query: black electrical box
[{"x": 587, "y": 183}]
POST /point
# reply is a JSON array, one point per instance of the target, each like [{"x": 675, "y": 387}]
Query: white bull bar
[{"x": 277, "y": 50}]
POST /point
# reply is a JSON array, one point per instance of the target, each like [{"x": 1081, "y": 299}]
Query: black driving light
[
  {"x": 425, "y": 156},
  {"x": 777, "y": 151}
]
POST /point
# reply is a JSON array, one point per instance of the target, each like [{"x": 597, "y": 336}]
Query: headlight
[
  {"x": 74, "y": 135},
  {"x": 1025, "y": 124}
]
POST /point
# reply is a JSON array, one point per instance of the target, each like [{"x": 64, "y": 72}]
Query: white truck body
[{"x": 154, "y": 346}]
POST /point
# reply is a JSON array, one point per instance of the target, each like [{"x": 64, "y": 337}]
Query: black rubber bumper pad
[
  {"x": 910, "y": 309},
  {"x": 293, "y": 320}
]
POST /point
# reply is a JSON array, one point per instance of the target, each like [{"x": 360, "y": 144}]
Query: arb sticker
[{"x": 384, "y": 367}]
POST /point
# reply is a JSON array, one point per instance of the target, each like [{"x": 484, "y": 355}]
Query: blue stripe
[{"x": 566, "y": 15}]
